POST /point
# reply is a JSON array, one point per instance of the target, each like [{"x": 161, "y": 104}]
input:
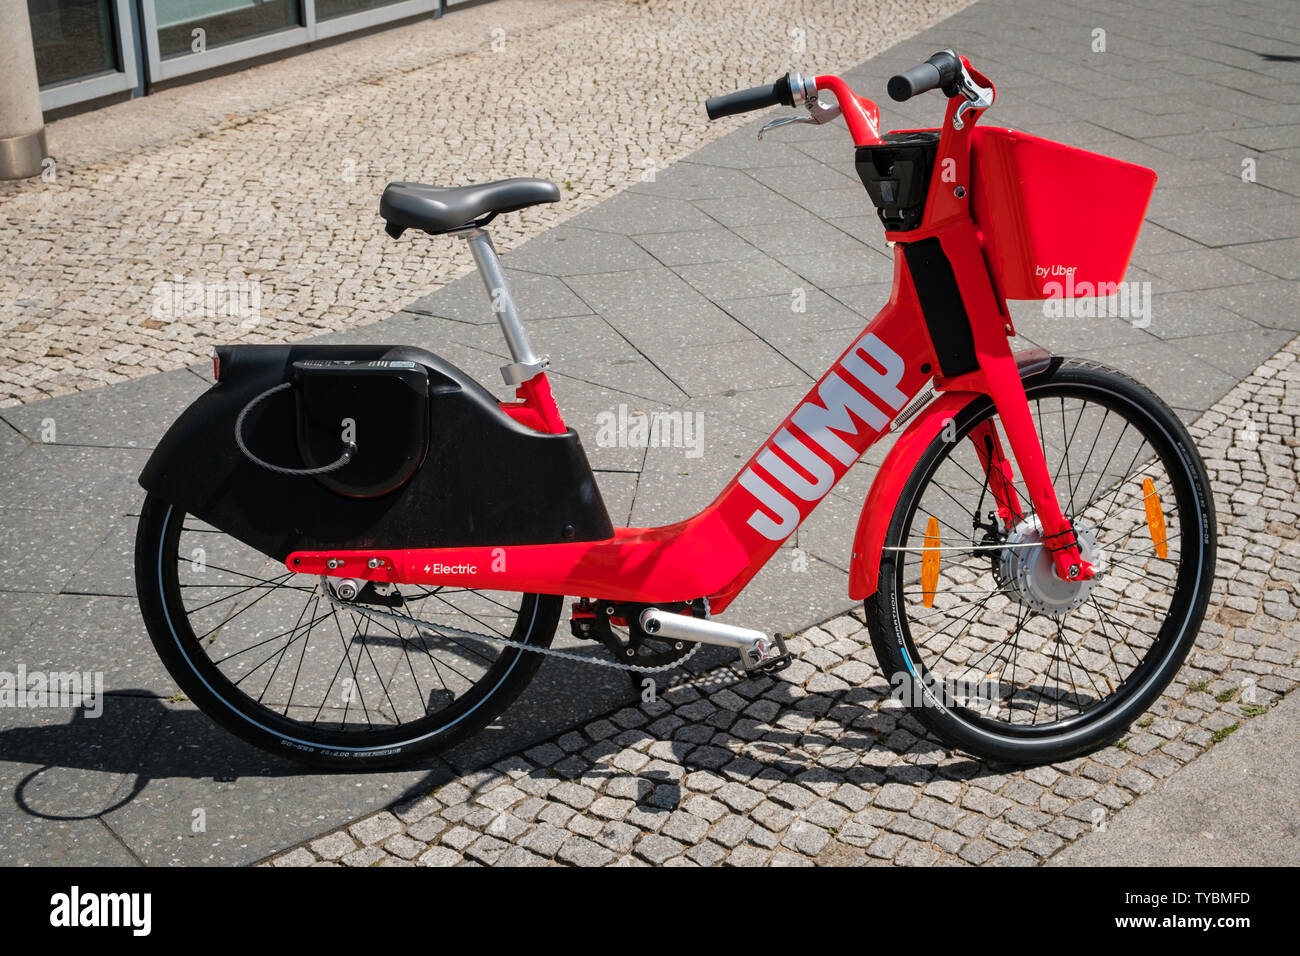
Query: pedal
[
  {"x": 766, "y": 657},
  {"x": 582, "y": 620}
]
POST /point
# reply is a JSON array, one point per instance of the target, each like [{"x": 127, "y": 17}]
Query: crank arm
[{"x": 757, "y": 650}]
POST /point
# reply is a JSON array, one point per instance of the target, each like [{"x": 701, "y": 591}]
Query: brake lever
[
  {"x": 976, "y": 98},
  {"x": 819, "y": 114}
]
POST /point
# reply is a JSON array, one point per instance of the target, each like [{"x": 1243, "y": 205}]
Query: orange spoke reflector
[
  {"x": 930, "y": 562},
  {"x": 1155, "y": 517}
]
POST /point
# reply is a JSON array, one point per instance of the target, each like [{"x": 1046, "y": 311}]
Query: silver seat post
[{"x": 526, "y": 362}]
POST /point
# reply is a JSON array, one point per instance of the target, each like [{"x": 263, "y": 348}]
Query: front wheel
[
  {"x": 279, "y": 659},
  {"x": 991, "y": 650}
]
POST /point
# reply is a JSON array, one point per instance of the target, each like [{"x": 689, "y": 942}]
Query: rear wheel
[
  {"x": 278, "y": 659},
  {"x": 990, "y": 649}
]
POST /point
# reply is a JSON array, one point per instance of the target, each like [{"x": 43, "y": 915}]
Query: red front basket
[{"x": 1057, "y": 221}]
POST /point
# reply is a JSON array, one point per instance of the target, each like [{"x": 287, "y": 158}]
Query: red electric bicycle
[{"x": 355, "y": 554}]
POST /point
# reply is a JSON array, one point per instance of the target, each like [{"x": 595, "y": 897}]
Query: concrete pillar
[{"x": 22, "y": 128}]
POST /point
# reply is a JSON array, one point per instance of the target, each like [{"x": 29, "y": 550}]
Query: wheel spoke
[
  {"x": 260, "y": 626},
  {"x": 1052, "y": 663}
]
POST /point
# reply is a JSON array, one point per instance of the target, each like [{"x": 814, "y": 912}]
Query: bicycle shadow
[
  {"x": 817, "y": 740},
  {"x": 141, "y": 739}
]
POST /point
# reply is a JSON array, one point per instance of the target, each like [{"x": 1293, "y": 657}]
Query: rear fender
[{"x": 487, "y": 479}]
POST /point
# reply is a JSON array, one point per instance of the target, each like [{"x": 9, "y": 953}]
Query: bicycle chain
[{"x": 507, "y": 642}]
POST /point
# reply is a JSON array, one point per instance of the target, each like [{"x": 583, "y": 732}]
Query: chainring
[{"x": 617, "y": 625}]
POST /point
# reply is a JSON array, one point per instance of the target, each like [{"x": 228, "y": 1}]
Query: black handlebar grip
[
  {"x": 940, "y": 71},
  {"x": 754, "y": 98}
]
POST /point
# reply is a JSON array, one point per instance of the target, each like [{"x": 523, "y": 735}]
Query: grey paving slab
[
  {"x": 784, "y": 312},
  {"x": 788, "y": 583},
  {"x": 98, "y": 634},
  {"x": 714, "y": 369},
  {"x": 134, "y": 415},
  {"x": 1201, "y": 269},
  {"x": 62, "y": 770},
  {"x": 1278, "y": 174},
  {"x": 741, "y": 151},
  {"x": 252, "y": 802},
  {"x": 696, "y": 481},
  {"x": 12, "y": 441},
  {"x": 567, "y": 251},
  {"x": 587, "y": 407},
  {"x": 1222, "y": 145},
  {"x": 1279, "y": 257},
  {"x": 714, "y": 244},
  {"x": 1270, "y": 304},
  {"x": 758, "y": 209},
  {"x": 618, "y": 489},
  {"x": 786, "y": 241},
  {"x": 109, "y": 568},
  {"x": 828, "y": 203},
  {"x": 68, "y": 478},
  {"x": 18, "y": 609},
  {"x": 1178, "y": 377},
  {"x": 659, "y": 326},
  {"x": 1266, "y": 137},
  {"x": 633, "y": 289},
  {"x": 809, "y": 349},
  {"x": 867, "y": 298},
  {"x": 588, "y": 347},
  {"x": 690, "y": 179},
  {"x": 820, "y": 175},
  {"x": 865, "y": 227},
  {"x": 1067, "y": 335},
  {"x": 634, "y": 214},
  {"x": 1177, "y": 314},
  {"x": 834, "y": 269},
  {"x": 44, "y": 548},
  {"x": 741, "y": 278},
  {"x": 1235, "y": 353},
  {"x": 1211, "y": 817},
  {"x": 537, "y": 296}
]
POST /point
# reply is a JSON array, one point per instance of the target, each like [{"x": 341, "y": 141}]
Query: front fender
[
  {"x": 887, "y": 488},
  {"x": 869, "y": 539}
]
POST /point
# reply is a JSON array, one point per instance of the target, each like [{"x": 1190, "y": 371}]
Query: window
[
  {"x": 73, "y": 39},
  {"x": 192, "y": 26}
]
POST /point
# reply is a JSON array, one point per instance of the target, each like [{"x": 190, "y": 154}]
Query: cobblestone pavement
[
  {"x": 821, "y": 765},
  {"x": 285, "y": 197}
]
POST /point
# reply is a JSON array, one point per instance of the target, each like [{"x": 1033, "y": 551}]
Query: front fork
[
  {"x": 998, "y": 376},
  {"x": 1007, "y": 390}
]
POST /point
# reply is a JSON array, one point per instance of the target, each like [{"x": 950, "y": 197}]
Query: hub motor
[{"x": 1025, "y": 568}]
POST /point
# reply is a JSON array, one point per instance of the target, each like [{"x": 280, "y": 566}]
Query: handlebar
[
  {"x": 944, "y": 71},
  {"x": 790, "y": 90},
  {"x": 939, "y": 72}
]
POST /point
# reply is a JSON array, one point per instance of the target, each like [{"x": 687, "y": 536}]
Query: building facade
[{"x": 90, "y": 49}]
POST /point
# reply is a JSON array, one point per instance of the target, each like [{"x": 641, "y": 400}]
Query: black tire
[
  {"x": 505, "y": 671},
  {"x": 918, "y": 664}
]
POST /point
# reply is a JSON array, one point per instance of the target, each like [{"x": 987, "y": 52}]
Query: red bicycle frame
[{"x": 718, "y": 551}]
